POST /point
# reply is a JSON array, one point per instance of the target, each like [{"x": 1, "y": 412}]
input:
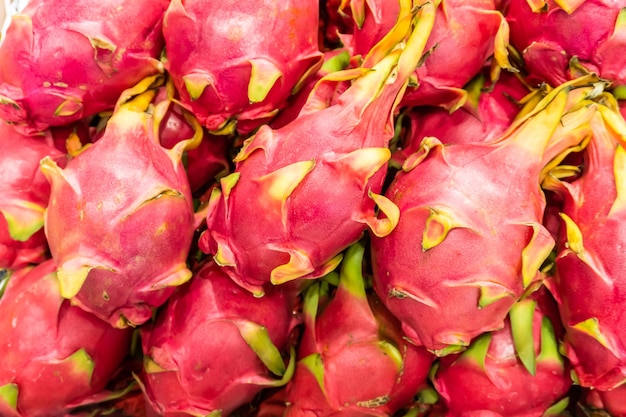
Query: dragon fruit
[
  {"x": 45, "y": 82},
  {"x": 24, "y": 194},
  {"x": 120, "y": 219},
  {"x": 470, "y": 233},
  {"x": 516, "y": 371},
  {"x": 303, "y": 193},
  {"x": 559, "y": 39},
  {"x": 55, "y": 356},
  {"x": 236, "y": 63},
  {"x": 474, "y": 27},
  {"x": 488, "y": 112},
  {"x": 590, "y": 280},
  {"x": 215, "y": 346},
  {"x": 350, "y": 339}
]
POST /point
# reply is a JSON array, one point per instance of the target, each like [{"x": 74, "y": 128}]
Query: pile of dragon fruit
[{"x": 313, "y": 208}]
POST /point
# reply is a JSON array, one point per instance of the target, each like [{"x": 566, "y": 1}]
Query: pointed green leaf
[
  {"x": 392, "y": 352},
  {"x": 263, "y": 76},
  {"x": 557, "y": 409},
  {"x": 82, "y": 363},
  {"x": 536, "y": 252},
  {"x": 23, "y": 219},
  {"x": 258, "y": 338},
  {"x": 521, "y": 316},
  {"x": 71, "y": 280},
  {"x": 196, "y": 83},
  {"x": 291, "y": 368},
  {"x": 329, "y": 266},
  {"x": 351, "y": 276},
  {"x": 591, "y": 327},
  {"x": 359, "y": 165},
  {"x": 9, "y": 394},
  {"x": 311, "y": 302},
  {"x": 277, "y": 186},
  {"x": 228, "y": 182},
  {"x": 574, "y": 235},
  {"x": 314, "y": 364},
  {"x": 490, "y": 292},
  {"x": 477, "y": 350},
  {"x": 298, "y": 266},
  {"x": 549, "y": 344}
]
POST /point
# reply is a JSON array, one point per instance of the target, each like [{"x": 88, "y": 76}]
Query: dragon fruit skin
[
  {"x": 592, "y": 31},
  {"x": 589, "y": 264},
  {"x": 238, "y": 62},
  {"x": 48, "y": 343},
  {"x": 349, "y": 339},
  {"x": 490, "y": 378},
  {"x": 48, "y": 84},
  {"x": 303, "y": 193},
  {"x": 24, "y": 194},
  {"x": 120, "y": 220},
  {"x": 613, "y": 401},
  {"x": 200, "y": 354},
  {"x": 470, "y": 232},
  {"x": 482, "y": 119}
]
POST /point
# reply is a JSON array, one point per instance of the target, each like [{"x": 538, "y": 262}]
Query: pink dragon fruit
[
  {"x": 350, "y": 339},
  {"x": 590, "y": 279},
  {"x": 558, "y": 39},
  {"x": 24, "y": 194},
  {"x": 120, "y": 219},
  {"x": 470, "y": 233},
  {"x": 516, "y": 371},
  {"x": 54, "y": 356},
  {"x": 474, "y": 27},
  {"x": 236, "y": 63},
  {"x": 215, "y": 346},
  {"x": 483, "y": 118},
  {"x": 303, "y": 193},
  {"x": 63, "y": 62}
]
